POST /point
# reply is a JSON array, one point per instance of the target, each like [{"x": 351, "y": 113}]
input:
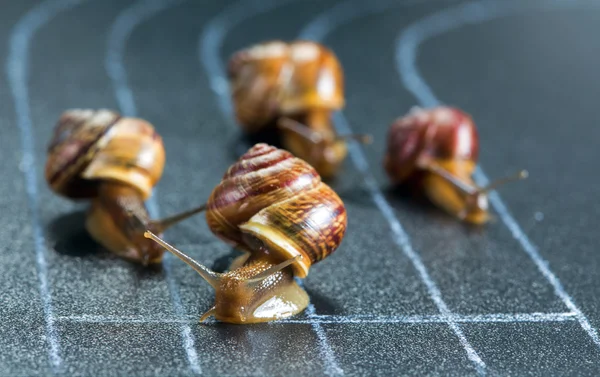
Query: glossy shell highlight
[
  {"x": 93, "y": 145},
  {"x": 279, "y": 200},
  {"x": 277, "y": 78},
  {"x": 441, "y": 133}
]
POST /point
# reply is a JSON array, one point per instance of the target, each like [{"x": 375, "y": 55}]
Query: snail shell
[
  {"x": 115, "y": 162},
  {"x": 275, "y": 207},
  {"x": 442, "y": 134},
  {"x": 435, "y": 151},
  {"x": 277, "y": 78},
  {"x": 89, "y": 146},
  {"x": 271, "y": 200}
]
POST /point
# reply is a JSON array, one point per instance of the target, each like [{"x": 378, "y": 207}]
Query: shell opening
[{"x": 274, "y": 242}]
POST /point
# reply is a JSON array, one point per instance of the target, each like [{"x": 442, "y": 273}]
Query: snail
[
  {"x": 274, "y": 207},
  {"x": 294, "y": 87},
  {"x": 436, "y": 150},
  {"x": 113, "y": 161}
]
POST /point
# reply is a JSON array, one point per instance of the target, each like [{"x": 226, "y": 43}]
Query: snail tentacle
[
  {"x": 436, "y": 151},
  {"x": 294, "y": 87},
  {"x": 275, "y": 208},
  {"x": 115, "y": 162}
]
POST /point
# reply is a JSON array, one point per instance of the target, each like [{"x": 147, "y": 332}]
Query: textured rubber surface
[{"x": 410, "y": 291}]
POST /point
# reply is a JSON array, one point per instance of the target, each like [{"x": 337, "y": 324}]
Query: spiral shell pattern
[
  {"x": 89, "y": 146},
  {"x": 441, "y": 133},
  {"x": 281, "y": 201},
  {"x": 77, "y": 137},
  {"x": 276, "y": 78}
]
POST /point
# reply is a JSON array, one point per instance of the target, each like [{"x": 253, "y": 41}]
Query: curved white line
[
  {"x": 119, "y": 33},
  {"x": 453, "y": 18},
  {"x": 17, "y": 71},
  {"x": 209, "y": 48},
  {"x": 335, "y": 319},
  {"x": 348, "y": 11},
  {"x": 211, "y": 41},
  {"x": 317, "y": 30}
]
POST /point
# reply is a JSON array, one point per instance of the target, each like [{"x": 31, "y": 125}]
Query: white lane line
[
  {"x": 402, "y": 239},
  {"x": 119, "y": 33},
  {"x": 400, "y": 236},
  {"x": 209, "y": 48},
  {"x": 450, "y": 19},
  {"x": 347, "y": 11},
  {"x": 17, "y": 71},
  {"x": 440, "y": 318},
  {"x": 348, "y": 319},
  {"x": 212, "y": 38}
]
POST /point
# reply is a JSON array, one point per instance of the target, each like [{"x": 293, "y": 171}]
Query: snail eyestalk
[
  {"x": 478, "y": 199},
  {"x": 468, "y": 189},
  {"x": 300, "y": 129},
  {"x": 445, "y": 174},
  {"x": 315, "y": 137},
  {"x": 113, "y": 161},
  {"x": 162, "y": 225},
  {"x": 210, "y": 276},
  {"x": 260, "y": 286},
  {"x": 523, "y": 174},
  {"x": 273, "y": 270}
]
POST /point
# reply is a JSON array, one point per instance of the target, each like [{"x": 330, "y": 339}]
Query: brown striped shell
[
  {"x": 443, "y": 134},
  {"x": 93, "y": 145},
  {"x": 275, "y": 78},
  {"x": 273, "y": 201}
]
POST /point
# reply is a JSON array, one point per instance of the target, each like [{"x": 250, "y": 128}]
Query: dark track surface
[{"x": 521, "y": 299}]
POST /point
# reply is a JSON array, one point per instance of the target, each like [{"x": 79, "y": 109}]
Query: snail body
[
  {"x": 293, "y": 86},
  {"x": 114, "y": 162},
  {"x": 436, "y": 151},
  {"x": 274, "y": 207}
]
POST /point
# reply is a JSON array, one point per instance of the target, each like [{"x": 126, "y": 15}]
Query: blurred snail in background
[
  {"x": 114, "y": 162},
  {"x": 274, "y": 207},
  {"x": 435, "y": 151},
  {"x": 293, "y": 87}
]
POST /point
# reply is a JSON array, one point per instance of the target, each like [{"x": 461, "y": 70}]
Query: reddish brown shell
[
  {"x": 277, "y": 78},
  {"x": 93, "y": 145},
  {"x": 441, "y": 134},
  {"x": 78, "y": 136},
  {"x": 278, "y": 199}
]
